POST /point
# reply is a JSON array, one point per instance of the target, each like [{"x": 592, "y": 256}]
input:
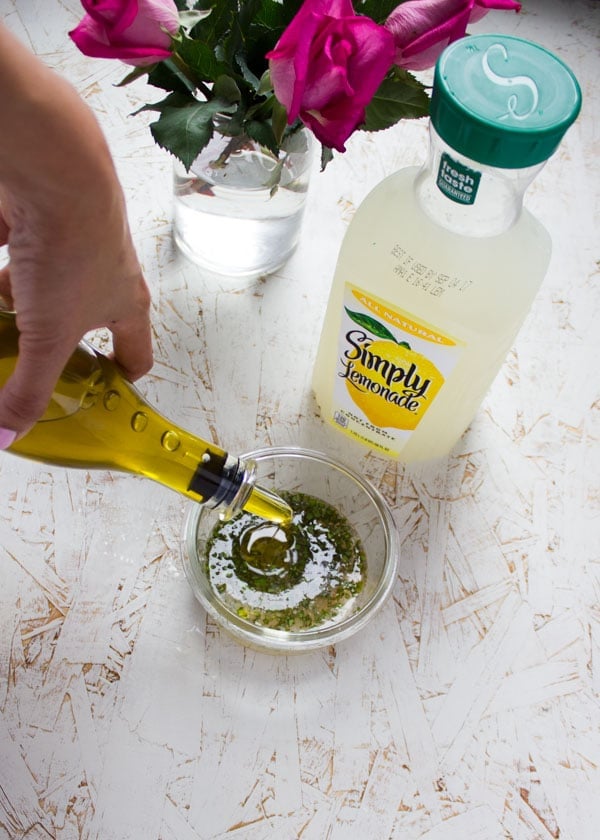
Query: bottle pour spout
[{"x": 237, "y": 491}]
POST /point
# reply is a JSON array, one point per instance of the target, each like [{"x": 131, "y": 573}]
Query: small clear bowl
[{"x": 316, "y": 474}]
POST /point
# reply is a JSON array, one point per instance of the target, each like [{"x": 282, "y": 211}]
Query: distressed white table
[{"x": 470, "y": 707}]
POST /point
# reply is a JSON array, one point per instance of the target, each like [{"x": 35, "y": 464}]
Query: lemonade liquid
[
  {"x": 440, "y": 265},
  {"x": 97, "y": 420}
]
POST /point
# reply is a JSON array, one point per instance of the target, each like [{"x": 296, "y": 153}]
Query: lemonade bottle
[{"x": 440, "y": 265}]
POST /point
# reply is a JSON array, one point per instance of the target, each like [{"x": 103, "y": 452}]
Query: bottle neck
[
  {"x": 467, "y": 197},
  {"x": 220, "y": 480}
]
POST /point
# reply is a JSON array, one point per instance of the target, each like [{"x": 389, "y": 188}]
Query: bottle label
[
  {"x": 390, "y": 368},
  {"x": 457, "y": 181}
]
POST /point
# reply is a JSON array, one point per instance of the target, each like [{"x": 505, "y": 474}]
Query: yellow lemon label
[{"x": 391, "y": 366}]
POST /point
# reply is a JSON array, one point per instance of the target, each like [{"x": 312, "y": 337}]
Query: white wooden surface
[{"x": 470, "y": 708}]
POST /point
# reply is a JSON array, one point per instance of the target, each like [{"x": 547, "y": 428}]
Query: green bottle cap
[{"x": 503, "y": 101}]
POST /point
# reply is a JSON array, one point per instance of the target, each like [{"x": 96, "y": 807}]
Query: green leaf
[
  {"x": 326, "y": 156},
  {"x": 234, "y": 41},
  {"x": 398, "y": 97},
  {"x": 275, "y": 12},
  {"x": 266, "y": 25},
  {"x": 265, "y": 85},
  {"x": 185, "y": 131},
  {"x": 173, "y": 100},
  {"x": 135, "y": 74},
  {"x": 200, "y": 57},
  {"x": 226, "y": 88},
  {"x": 167, "y": 76},
  {"x": 274, "y": 16},
  {"x": 278, "y": 120},
  {"x": 247, "y": 74},
  {"x": 220, "y": 21},
  {"x": 378, "y": 10},
  {"x": 234, "y": 126},
  {"x": 263, "y": 134},
  {"x": 370, "y": 324},
  {"x": 262, "y": 109}
]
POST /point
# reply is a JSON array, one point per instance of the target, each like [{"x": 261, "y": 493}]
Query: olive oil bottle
[{"x": 97, "y": 420}]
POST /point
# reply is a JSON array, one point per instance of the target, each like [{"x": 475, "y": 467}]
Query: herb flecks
[{"x": 293, "y": 578}]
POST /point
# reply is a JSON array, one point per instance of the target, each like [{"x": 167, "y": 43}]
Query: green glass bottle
[{"x": 97, "y": 420}]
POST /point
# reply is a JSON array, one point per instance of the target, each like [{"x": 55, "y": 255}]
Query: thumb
[{"x": 27, "y": 392}]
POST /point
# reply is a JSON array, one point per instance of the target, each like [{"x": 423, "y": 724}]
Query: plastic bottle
[
  {"x": 441, "y": 264},
  {"x": 97, "y": 420}
]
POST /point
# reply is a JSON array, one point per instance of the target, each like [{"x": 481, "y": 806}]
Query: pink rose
[
  {"x": 326, "y": 67},
  {"x": 134, "y": 31},
  {"x": 423, "y": 28}
]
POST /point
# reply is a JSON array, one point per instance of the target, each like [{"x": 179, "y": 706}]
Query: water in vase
[{"x": 241, "y": 215}]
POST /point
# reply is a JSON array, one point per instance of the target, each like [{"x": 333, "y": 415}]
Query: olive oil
[
  {"x": 97, "y": 420},
  {"x": 294, "y": 577}
]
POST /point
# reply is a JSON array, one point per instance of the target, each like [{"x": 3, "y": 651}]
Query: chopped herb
[{"x": 295, "y": 577}]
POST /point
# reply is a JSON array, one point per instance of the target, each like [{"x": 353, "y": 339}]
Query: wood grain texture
[{"x": 470, "y": 706}]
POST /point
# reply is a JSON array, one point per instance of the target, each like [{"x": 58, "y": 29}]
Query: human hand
[
  {"x": 73, "y": 267},
  {"x": 67, "y": 276}
]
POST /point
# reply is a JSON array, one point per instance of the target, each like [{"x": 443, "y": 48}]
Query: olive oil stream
[{"x": 97, "y": 420}]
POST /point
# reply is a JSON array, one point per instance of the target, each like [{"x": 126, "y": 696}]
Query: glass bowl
[{"x": 316, "y": 474}]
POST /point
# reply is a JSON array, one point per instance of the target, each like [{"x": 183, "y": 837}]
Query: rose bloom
[
  {"x": 326, "y": 67},
  {"x": 134, "y": 31},
  {"x": 423, "y": 28}
]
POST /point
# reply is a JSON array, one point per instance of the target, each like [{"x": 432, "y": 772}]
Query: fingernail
[{"x": 7, "y": 436}]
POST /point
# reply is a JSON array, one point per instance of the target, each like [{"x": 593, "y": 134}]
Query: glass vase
[{"x": 238, "y": 210}]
